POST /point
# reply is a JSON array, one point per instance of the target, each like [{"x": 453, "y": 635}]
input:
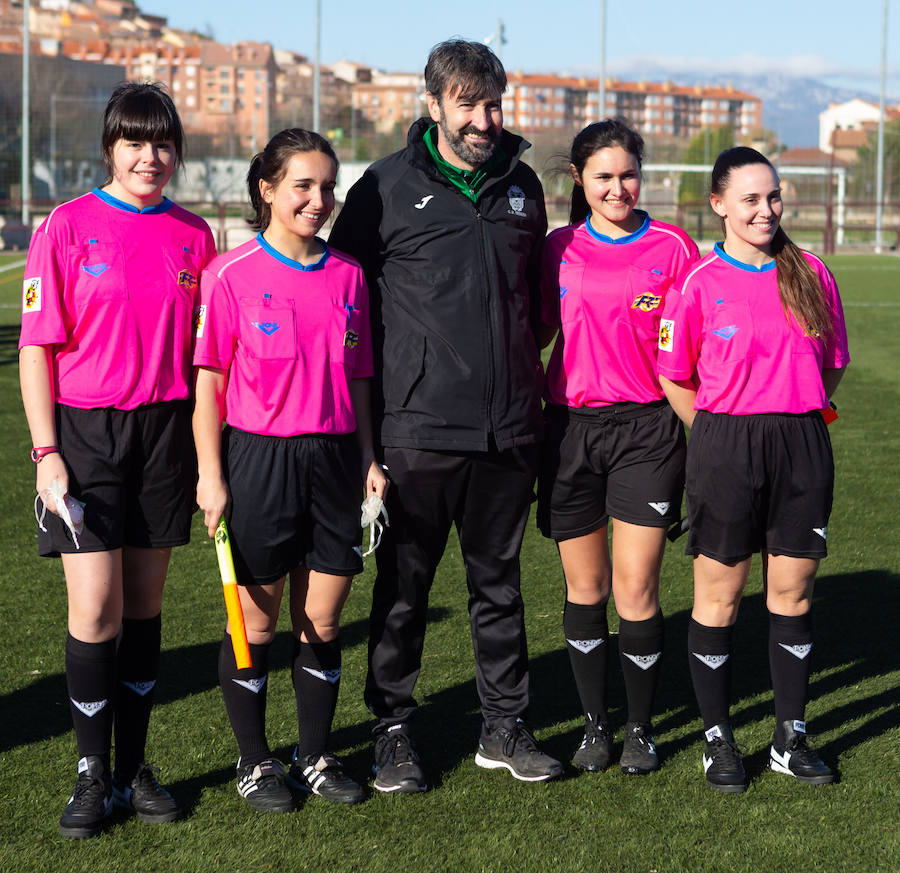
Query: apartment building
[{"x": 546, "y": 102}]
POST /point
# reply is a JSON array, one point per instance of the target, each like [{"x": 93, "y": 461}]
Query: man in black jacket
[{"x": 449, "y": 232}]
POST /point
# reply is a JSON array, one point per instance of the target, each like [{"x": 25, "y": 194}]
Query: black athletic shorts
[
  {"x": 625, "y": 460},
  {"x": 759, "y": 482},
  {"x": 136, "y": 473},
  {"x": 294, "y": 500}
]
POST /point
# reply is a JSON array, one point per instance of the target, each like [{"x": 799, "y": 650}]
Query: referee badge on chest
[
  {"x": 187, "y": 280},
  {"x": 646, "y": 302},
  {"x": 351, "y": 339}
]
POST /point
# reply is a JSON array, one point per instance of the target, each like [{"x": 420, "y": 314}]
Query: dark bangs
[{"x": 140, "y": 112}]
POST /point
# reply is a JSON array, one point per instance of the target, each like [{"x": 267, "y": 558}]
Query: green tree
[
  {"x": 863, "y": 172},
  {"x": 703, "y": 149}
]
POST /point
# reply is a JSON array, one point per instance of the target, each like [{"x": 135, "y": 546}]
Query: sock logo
[
  {"x": 711, "y": 734},
  {"x": 800, "y": 651},
  {"x": 90, "y": 707},
  {"x": 141, "y": 688},
  {"x": 645, "y": 662},
  {"x": 711, "y": 661},
  {"x": 330, "y": 676},
  {"x": 254, "y": 685},
  {"x": 661, "y": 508},
  {"x": 585, "y": 646}
]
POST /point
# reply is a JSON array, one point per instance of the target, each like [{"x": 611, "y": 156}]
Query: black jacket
[{"x": 454, "y": 296}]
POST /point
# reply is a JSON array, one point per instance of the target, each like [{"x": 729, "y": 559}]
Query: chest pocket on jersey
[
  {"x": 571, "y": 293},
  {"x": 343, "y": 335},
  {"x": 728, "y": 334},
  {"x": 268, "y": 331},
  {"x": 644, "y": 300},
  {"x": 97, "y": 271}
]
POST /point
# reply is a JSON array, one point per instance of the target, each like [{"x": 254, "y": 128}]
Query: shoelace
[
  {"x": 594, "y": 732},
  {"x": 147, "y": 780},
  {"x": 800, "y": 749},
  {"x": 399, "y": 749},
  {"x": 730, "y": 752},
  {"x": 86, "y": 787},
  {"x": 522, "y": 738},
  {"x": 642, "y": 736}
]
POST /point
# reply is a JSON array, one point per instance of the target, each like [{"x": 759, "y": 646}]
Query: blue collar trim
[
  {"x": 740, "y": 264},
  {"x": 163, "y": 206},
  {"x": 622, "y": 240},
  {"x": 290, "y": 262}
]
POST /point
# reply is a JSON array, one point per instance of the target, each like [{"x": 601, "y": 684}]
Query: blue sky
[{"x": 808, "y": 37}]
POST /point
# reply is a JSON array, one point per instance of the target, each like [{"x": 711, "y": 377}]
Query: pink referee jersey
[
  {"x": 729, "y": 326},
  {"x": 606, "y": 296},
  {"x": 291, "y": 338},
  {"x": 112, "y": 288}
]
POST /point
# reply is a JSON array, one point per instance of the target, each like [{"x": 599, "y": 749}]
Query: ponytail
[{"x": 800, "y": 288}]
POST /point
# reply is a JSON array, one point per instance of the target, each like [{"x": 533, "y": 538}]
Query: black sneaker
[
  {"x": 595, "y": 751},
  {"x": 90, "y": 803},
  {"x": 515, "y": 750},
  {"x": 262, "y": 786},
  {"x": 324, "y": 775},
  {"x": 639, "y": 752},
  {"x": 145, "y": 797},
  {"x": 796, "y": 758},
  {"x": 397, "y": 765},
  {"x": 722, "y": 761}
]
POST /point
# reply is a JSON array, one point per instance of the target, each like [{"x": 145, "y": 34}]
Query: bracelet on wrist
[{"x": 38, "y": 453}]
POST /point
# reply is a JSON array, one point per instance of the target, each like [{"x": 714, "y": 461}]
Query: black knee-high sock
[
  {"x": 245, "y": 699},
  {"x": 91, "y": 682},
  {"x": 138, "y": 668},
  {"x": 587, "y": 638},
  {"x": 317, "y": 678},
  {"x": 709, "y": 655},
  {"x": 790, "y": 645},
  {"x": 640, "y": 651}
]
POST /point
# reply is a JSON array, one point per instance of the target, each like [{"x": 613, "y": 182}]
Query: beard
[{"x": 474, "y": 154}]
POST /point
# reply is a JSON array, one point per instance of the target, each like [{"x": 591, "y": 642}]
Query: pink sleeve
[
  {"x": 836, "y": 353},
  {"x": 362, "y": 366},
  {"x": 43, "y": 323},
  {"x": 679, "y": 337},
  {"x": 214, "y": 325}
]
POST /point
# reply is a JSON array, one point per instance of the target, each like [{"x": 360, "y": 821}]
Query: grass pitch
[{"x": 474, "y": 820}]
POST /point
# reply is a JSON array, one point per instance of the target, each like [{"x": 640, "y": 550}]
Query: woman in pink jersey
[
  {"x": 750, "y": 351},
  {"x": 284, "y": 354},
  {"x": 614, "y": 447},
  {"x": 105, "y": 366}
]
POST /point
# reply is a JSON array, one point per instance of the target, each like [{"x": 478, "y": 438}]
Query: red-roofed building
[{"x": 543, "y": 102}]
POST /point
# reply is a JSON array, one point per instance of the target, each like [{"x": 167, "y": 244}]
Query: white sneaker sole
[{"x": 491, "y": 764}]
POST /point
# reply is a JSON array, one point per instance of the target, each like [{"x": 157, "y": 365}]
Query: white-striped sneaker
[
  {"x": 262, "y": 786},
  {"x": 324, "y": 775}
]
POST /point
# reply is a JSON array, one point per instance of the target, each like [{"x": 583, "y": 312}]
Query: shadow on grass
[
  {"x": 9, "y": 344},
  {"x": 854, "y": 613},
  {"x": 42, "y": 709}
]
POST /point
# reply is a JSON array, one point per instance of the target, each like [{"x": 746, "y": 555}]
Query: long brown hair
[{"x": 798, "y": 283}]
